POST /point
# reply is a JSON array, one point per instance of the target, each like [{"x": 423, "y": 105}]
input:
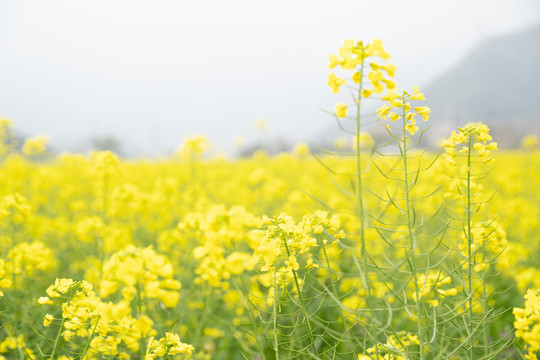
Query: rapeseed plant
[{"x": 262, "y": 258}]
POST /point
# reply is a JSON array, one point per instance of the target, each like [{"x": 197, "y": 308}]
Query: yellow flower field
[{"x": 374, "y": 249}]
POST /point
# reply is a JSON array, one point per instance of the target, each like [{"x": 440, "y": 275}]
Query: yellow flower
[
  {"x": 527, "y": 323},
  {"x": 530, "y": 142},
  {"x": 301, "y": 149},
  {"x": 378, "y": 87},
  {"x": 48, "y": 319},
  {"x": 4, "y": 283},
  {"x": 411, "y": 128},
  {"x": 375, "y": 76},
  {"x": 390, "y": 84},
  {"x": 417, "y": 94},
  {"x": 340, "y": 110},
  {"x": 35, "y": 146},
  {"x": 347, "y": 48},
  {"x": 194, "y": 146},
  {"x": 377, "y": 46},
  {"x": 61, "y": 286},
  {"x": 366, "y": 92},
  {"x": 423, "y": 111},
  {"x": 334, "y": 61},
  {"x": 394, "y": 116},
  {"x": 44, "y": 300},
  {"x": 393, "y": 98},
  {"x": 390, "y": 69},
  {"x": 383, "y": 111},
  {"x": 170, "y": 345},
  {"x": 292, "y": 263},
  {"x": 335, "y": 82}
]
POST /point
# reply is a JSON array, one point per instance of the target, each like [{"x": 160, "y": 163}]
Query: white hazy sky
[{"x": 152, "y": 72}]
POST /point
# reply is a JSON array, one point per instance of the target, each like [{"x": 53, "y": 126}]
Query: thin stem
[
  {"x": 57, "y": 338},
  {"x": 303, "y": 306},
  {"x": 274, "y": 311},
  {"x": 359, "y": 194},
  {"x": 55, "y": 346},
  {"x": 90, "y": 339},
  {"x": 484, "y": 310},
  {"x": 142, "y": 342},
  {"x": 412, "y": 239},
  {"x": 334, "y": 289},
  {"x": 257, "y": 331},
  {"x": 469, "y": 247}
]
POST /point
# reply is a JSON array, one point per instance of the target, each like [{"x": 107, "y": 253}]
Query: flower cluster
[
  {"x": 35, "y": 146},
  {"x": 11, "y": 346},
  {"x": 473, "y": 137},
  {"x": 530, "y": 142},
  {"x": 104, "y": 163},
  {"x": 402, "y": 102},
  {"x": 431, "y": 288},
  {"x": 15, "y": 208},
  {"x": 225, "y": 237},
  {"x": 90, "y": 228},
  {"x": 166, "y": 346},
  {"x": 4, "y": 283},
  {"x": 113, "y": 236},
  {"x": 27, "y": 258},
  {"x": 6, "y": 136},
  {"x": 319, "y": 222},
  {"x": 142, "y": 272},
  {"x": 394, "y": 348},
  {"x": 194, "y": 147},
  {"x": 353, "y": 57},
  {"x": 527, "y": 323},
  {"x": 79, "y": 308},
  {"x": 286, "y": 238},
  {"x": 488, "y": 241},
  {"x": 109, "y": 328}
]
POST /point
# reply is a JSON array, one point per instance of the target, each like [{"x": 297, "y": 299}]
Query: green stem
[
  {"x": 412, "y": 239},
  {"x": 55, "y": 346},
  {"x": 334, "y": 289},
  {"x": 484, "y": 310},
  {"x": 57, "y": 339},
  {"x": 359, "y": 194},
  {"x": 303, "y": 306},
  {"x": 252, "y": 319},
  {"x": 90, "y": 339},
  {"x": 142, "y": 342},
  {"x": 469, "y": 248},
  {"x": 274, "y": 310}
]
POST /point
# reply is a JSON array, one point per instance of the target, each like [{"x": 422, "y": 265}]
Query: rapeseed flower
[{"x": 341, "y": 110}]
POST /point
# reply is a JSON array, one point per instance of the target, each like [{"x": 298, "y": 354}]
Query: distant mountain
[{"x": 497, "y": 83}]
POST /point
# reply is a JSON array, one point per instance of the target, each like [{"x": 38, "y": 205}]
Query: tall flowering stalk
[
  {"x": 471, "y": 148},
  {"x": 402, "y": 132},
  {"x": 357, "y": 58},
  {"x": 286, "y": 239}
]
